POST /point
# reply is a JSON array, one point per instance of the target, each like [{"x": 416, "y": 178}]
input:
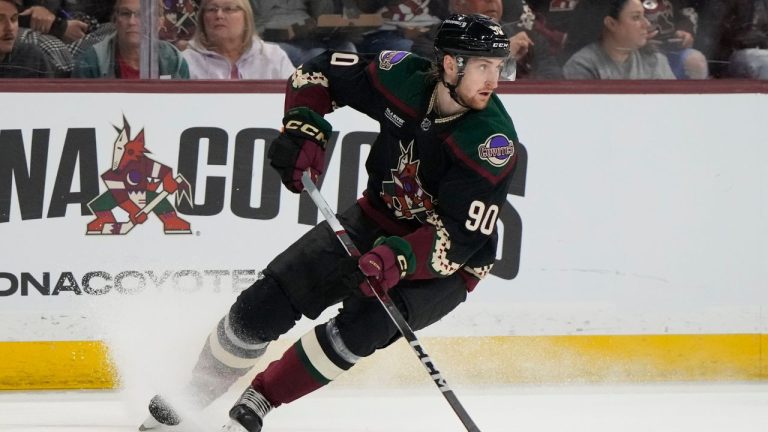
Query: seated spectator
[
  {"x": 179, "y": 22},
  {"x": 63, "y": 29},
  {"x": 675, "y": 23},
  {"x": 118, "y": 56},
  {"x": 530, "y": 54},
  {"x": 18, "y": 60},
  {"x": 404, "y": 20},
  {"x": 46, "y": 17},
  {"x": 610, "y": 40},
  {"x": 734, "y": 36},
  {"x": 293, "y": 26},
  {"x": 226, "y": 45},
  {"x": 553, "y": 18}
]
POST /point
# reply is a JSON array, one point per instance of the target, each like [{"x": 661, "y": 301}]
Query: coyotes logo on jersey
[{"x": 404, "y": 194}]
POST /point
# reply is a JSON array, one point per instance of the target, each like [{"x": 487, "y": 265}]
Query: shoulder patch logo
[
  {"x": 497, "y": 150},
  {"x": 387, "y": 59}
]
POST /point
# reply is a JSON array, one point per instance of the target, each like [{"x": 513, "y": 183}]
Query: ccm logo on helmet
[
  {"x": 307, "y": 129},
  {"x": 500, "y": 44}
]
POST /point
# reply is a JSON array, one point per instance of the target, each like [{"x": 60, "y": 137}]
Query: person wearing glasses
[
  {"x": 226, "y": 46},
  {"x": 118, "y": 56}
]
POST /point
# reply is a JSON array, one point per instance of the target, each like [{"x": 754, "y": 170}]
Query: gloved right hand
[
  {"x": 300, "y": 147},
  {"x": 386, "y": 264}
]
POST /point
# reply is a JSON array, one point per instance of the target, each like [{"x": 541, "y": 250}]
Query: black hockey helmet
[
  {"x": 471, "y": 36},
  {"x": 464, "y": 36}
]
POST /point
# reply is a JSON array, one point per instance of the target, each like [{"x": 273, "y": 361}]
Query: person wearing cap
[
  {"x": 18, "y": 60},
  {"x": 438, "y": 176}
]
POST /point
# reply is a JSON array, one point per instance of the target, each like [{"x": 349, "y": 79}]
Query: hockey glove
[
  {"x": 299, "y": 147},
  {"x": 391, "y": 260}
]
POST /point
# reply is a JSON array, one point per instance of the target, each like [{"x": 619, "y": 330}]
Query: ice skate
[
  {"x": 161, "y": 415},
  {"x": 248, "y": 413}
]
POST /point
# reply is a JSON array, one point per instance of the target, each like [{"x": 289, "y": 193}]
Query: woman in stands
[{"x": 226, "y": 45}]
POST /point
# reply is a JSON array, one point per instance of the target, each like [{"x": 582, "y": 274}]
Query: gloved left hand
[{"x": 300, "y": 147}]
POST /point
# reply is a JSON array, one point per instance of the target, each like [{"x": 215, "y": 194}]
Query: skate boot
[
  {"x": 96, "y": 226},
  {"x": 248, "y": 413},
  {"x": 160, "y": 413},
  {"x": 173, "y": 224}
]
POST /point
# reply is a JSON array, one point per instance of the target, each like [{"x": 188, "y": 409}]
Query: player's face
[
  {"x": 9, "y": 26},
  {"x": 224, "y": 20},
  {"x": 481, "y": 77},
  {"x": 128, "y": 22},
  {"x": 630, "y": 29}
]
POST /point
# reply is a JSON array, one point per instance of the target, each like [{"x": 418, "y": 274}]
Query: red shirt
[{"x": 126, "y": 71}]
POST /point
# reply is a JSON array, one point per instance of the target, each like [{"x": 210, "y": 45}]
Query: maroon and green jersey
[{"x": 438, "y": 182}]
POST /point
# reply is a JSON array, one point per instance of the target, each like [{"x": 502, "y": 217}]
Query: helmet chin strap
[{"x": 460, "y": 64}]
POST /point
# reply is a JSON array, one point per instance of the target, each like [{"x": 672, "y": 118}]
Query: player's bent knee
[
  {"x": 230, "y": 350},
  {"x": 262, "y": 312}
]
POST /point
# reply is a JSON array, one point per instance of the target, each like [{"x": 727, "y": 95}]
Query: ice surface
[{"x": 735, "y": 407}]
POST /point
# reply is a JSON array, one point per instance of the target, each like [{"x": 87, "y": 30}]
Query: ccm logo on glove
[
  {"x": 308, "y": 130},
  {"x": 300, "y": 147}
]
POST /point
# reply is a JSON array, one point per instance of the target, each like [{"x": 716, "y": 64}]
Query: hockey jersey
[{"x": 438, "y": 182}]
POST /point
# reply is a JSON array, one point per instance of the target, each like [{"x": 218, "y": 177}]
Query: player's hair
[{"x": 248, "y": 33}]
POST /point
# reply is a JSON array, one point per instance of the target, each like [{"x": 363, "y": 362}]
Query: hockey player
[{"x": 438, "y": 172}]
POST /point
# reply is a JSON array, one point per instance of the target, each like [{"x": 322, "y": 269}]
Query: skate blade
[{"x": 150, "y": 424}]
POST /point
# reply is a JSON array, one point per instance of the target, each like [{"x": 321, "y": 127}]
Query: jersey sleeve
[{"x": 332, "y": 80}]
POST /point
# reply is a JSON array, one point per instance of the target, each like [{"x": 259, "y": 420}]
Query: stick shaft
[{"x": 400, "y": 322}]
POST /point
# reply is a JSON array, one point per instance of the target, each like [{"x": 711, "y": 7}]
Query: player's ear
[{"x": 449, "y": 64}]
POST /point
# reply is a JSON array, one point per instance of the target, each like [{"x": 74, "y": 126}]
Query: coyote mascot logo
[
  {"x": 140, "y": 186},
  {"x": 404, "y": 193}
]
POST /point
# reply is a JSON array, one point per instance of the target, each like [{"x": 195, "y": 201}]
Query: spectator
[
  {"x": 118, "y": 56},
  {"x": 404, "y": 20},
  {"x": 226, "y": 45},
  {"x": 735, "y": 37},
  {"x": 62, "y": 41},
  {"x": 612, "y": 43},
  {"x": 47, "y": 17},
  {"x": 530, "y": 54},
  {"x": 675, "y": 23},
  {"x": 553, "y": 19},
  {"x": 293, "y": 23},
  {"x": 18, "y": 60}
]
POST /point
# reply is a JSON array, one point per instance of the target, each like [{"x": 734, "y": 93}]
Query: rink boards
[{"x": 633, "y": 245}]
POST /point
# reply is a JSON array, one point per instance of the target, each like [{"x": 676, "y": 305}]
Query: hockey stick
[{"x": 390, "y": 307}]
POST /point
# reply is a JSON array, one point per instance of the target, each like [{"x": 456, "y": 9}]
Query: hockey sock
[
  {"x": 223, "y": 360},
  {"x": 312, "y": 362}
]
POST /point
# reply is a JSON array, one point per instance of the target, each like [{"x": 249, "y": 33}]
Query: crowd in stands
[{"x": 268, "y": 39}]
